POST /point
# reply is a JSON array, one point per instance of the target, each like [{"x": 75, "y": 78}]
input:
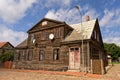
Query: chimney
[{"x": 87, "y": 18}]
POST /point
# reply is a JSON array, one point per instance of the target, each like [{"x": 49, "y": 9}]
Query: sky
[{"x": 18, "y": 16}]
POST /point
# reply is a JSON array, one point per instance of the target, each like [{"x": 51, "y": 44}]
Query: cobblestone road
[{"x": 6, "y": 74}]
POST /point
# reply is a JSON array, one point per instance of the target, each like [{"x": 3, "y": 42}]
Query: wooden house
[{"x": 55, "y": 45}]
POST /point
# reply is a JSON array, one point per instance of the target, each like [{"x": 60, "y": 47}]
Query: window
[
  {"x": 15, "y": 56},
  {"x": 32, "y": 37},
  {"x": 56, "y": 54},
  {"x": 98, "y": 37},
  {"x": 23, "y": 56},
  {"x": 41, "y": 55},
  {"x": 74, "y": 49},
  {"x": 95, "y": 34},
  {"x": 43, "y": 35},
  {"x": 30, "y": 55},
  {"x": 69, "y": 32},
  {"x": 20, "y": 55},
  {"x": 71, "y": 49},
  {"x": 57, "y": 33}
]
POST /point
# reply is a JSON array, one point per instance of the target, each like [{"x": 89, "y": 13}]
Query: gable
[
  {"x": 96, "y": 34},
  {"x": 2, "y": 44},
  {"x": 23, "y": 44},
  {"x": 44, "y": 24},
  {"x": 6, "y": 45}
]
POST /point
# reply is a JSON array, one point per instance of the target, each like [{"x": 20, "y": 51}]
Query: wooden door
[
  {"x": 96, "y": 66},
  {"x": 74, "y": 58}
]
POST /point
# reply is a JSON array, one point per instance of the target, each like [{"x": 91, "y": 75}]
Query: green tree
[
  {"x": 113, "y": 49},
  {"x": 7, "y": 56}
]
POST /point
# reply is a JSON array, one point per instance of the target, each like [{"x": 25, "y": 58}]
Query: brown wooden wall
[{"x": 63, "y": 57}]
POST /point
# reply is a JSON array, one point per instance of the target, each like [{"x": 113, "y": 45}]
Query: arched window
[
  {"x": 30, "y": 55},
  {"x": 42, "y": 55}
]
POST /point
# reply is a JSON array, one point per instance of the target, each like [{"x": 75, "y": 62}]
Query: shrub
[{"x": 7, "y": 56}]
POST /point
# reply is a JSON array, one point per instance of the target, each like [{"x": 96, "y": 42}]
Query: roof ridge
[{"x": 83, "y": 22}]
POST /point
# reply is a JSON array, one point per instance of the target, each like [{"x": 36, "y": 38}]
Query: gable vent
[{"x": 44, "y": 23}]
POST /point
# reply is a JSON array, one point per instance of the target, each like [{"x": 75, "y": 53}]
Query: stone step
[{"x": 73, "y": 71}]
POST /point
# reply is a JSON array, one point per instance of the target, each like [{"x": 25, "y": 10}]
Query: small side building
[
  {"x": 109, "y": 57},
  {"x": 5, "y": 47}
]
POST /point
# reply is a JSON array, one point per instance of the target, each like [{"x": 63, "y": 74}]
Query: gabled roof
[
  {"x": 22, "y": 44},
  {"x": 86, "y": 28},
  {"x": 2, "y": 44},
  {"x": 48, "y": 19}
]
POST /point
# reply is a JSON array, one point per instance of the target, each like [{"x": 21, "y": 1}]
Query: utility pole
[{"x": 82, "y": 55}]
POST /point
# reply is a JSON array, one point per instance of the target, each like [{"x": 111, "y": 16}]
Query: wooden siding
[
  {"x": 90, "y": 58},
  {"x": 63, "y": 58}
]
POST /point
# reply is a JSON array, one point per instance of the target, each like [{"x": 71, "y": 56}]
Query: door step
[{"x": 73, "y": 71}]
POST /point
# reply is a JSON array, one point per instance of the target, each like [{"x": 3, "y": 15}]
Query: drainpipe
[{"x": 88, "y": 56}]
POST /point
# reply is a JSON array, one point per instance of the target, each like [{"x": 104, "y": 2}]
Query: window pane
[
  {"x": 18, "y": 56},
  {"x": 56, "y": 54},
  {"x": 76, "y": 49},
  {"x": 71, "y": 49},
  {"x": 30, "y": 54},
  {"x": 32, "y": 37},
  {"x": 41, "y": 55},
  {"x": 44, "y": 35},
  {"x": 95, "y": 34},
  {"x": 15, "y": 56},
  {"x": 58, "y": 33}
]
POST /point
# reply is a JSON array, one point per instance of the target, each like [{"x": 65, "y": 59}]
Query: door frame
[{"x": 74, "y": 65}]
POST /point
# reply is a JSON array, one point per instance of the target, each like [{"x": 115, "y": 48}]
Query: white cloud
[
  {"x": 115, "y": 40},
  {"x": 13, "y": 10},
  {"x": 11, "y": 36},
  {"x": 61, "y": 3},
  {"x": 111, "y": 18},
  {"x": 63, "y": 15},
  {"x": 110, "y": 22},
  {"x": 71, "y": 15},
  {"x": 111, "y": 36}
]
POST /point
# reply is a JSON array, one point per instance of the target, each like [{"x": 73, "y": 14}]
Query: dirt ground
[{"x": 10, "y": 74}]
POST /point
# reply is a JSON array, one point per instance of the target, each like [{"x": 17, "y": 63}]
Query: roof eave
[{"x": 75, "y": 41}]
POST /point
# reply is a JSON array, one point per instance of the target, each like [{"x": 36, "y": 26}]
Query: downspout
[
  {"x": 102, "y": 69},
  {"x": 88, "y": 57},
  {"x": 91, "y": 71}
]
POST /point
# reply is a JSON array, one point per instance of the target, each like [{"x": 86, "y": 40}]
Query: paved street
[{"x": 7, "y": 74}]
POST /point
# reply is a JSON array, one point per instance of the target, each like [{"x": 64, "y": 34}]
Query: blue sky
[{"x": 18, "y": 16}]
